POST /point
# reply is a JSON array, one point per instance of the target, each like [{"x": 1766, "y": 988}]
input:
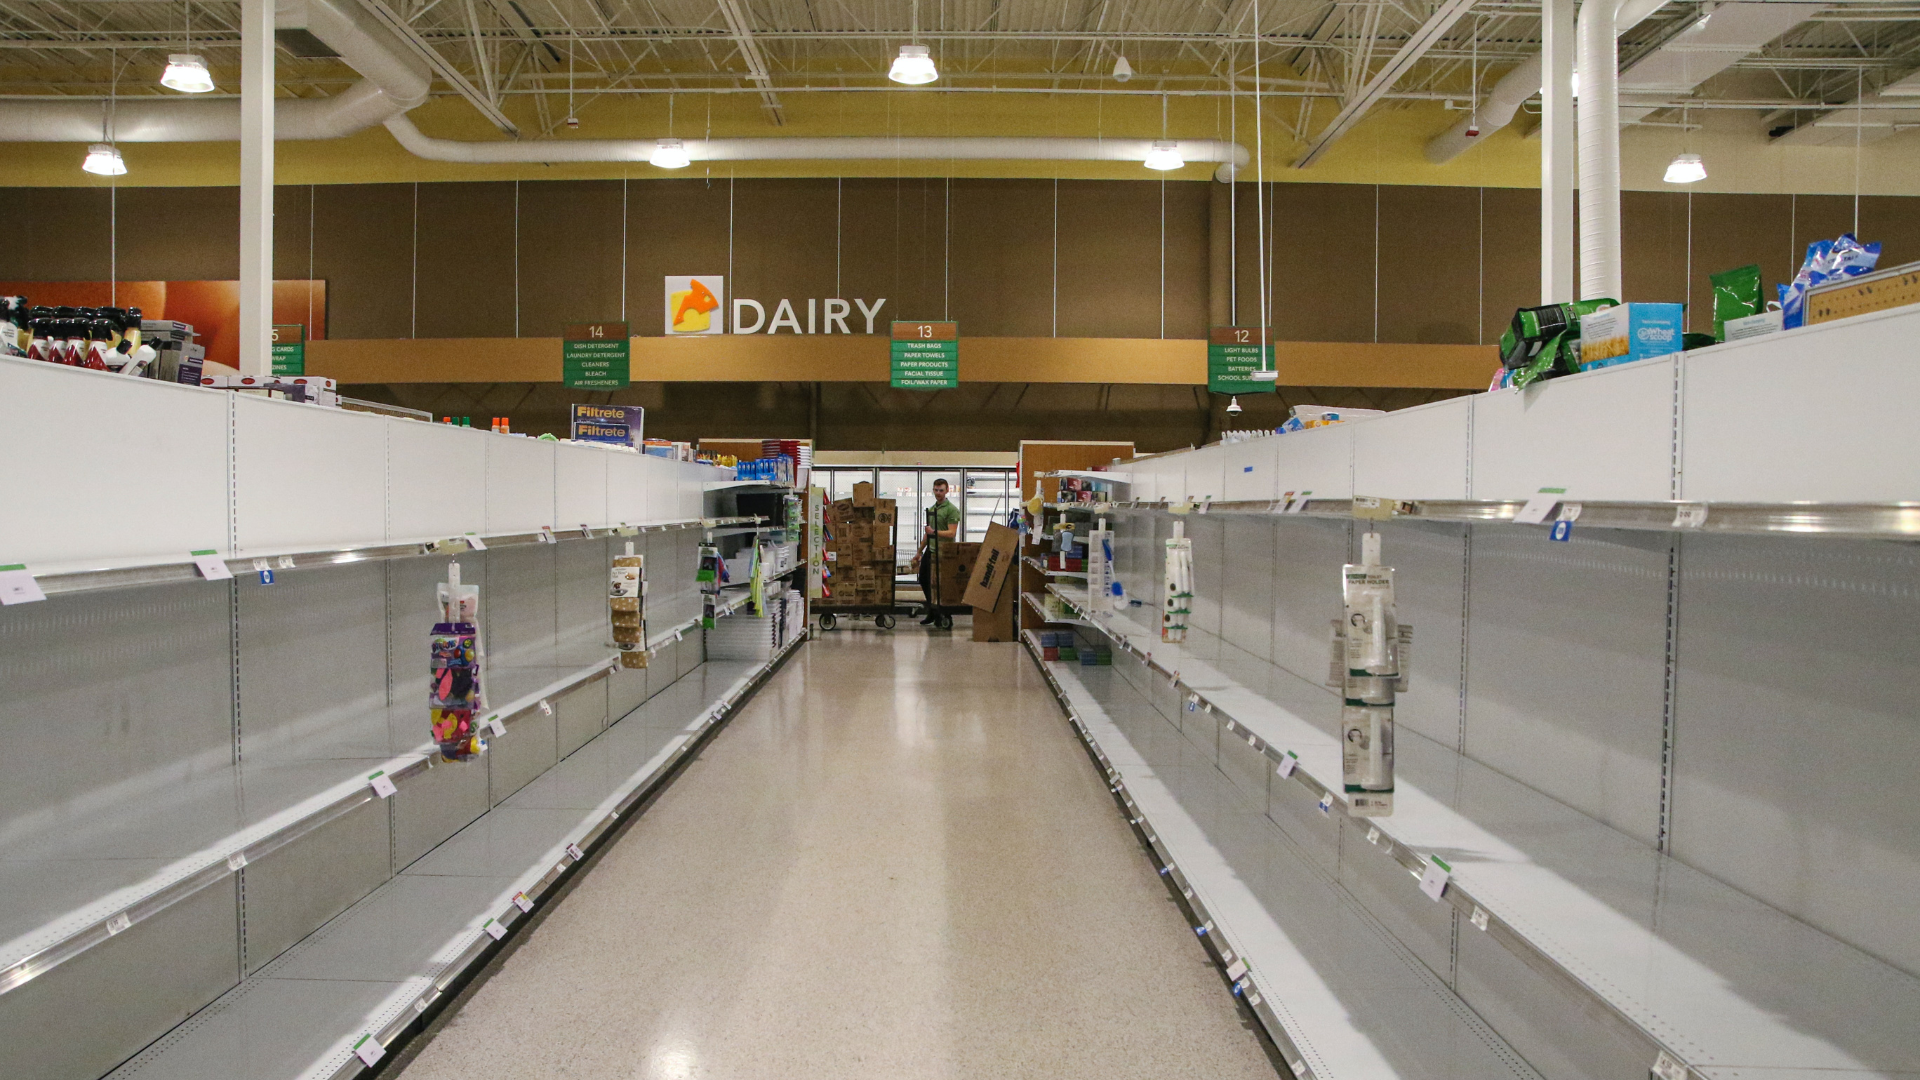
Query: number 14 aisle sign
[{"x": 926, "y": 355}]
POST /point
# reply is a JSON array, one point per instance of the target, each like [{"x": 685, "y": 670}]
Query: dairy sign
[{"x": 698, "y": 304}]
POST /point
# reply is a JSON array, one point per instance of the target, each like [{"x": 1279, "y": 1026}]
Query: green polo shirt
[{"x": 944, "y": 515}]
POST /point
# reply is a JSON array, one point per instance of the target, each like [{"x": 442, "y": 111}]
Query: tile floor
[{"x": 896, "y": 863}]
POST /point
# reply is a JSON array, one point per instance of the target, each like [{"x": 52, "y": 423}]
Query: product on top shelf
[
  {"x": 1630, "y": 332},
  {"x": 1543, "y": 342},
  {"x": 1826, "y": 261},
  {"x": 1736, "y": 295},
  {"x": 1314, "y": 416}
]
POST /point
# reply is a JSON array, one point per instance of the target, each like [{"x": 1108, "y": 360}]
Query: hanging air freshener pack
[
  {"x": 627, "y": 607},
  {"x": 454, "y": 692}
]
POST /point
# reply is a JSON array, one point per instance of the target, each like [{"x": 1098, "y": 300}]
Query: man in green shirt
[{"x": 943, "y": 524}]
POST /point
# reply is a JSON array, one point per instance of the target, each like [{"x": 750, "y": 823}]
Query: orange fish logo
[{"x": 691, "y": 302}]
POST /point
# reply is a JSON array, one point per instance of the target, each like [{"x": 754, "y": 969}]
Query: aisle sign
[
  {"x": 1233, "y": 354},
  {"x": 926, "y": 355},
  {"x": 595, "y": 356},
  {"x": 289, "y": 349}
]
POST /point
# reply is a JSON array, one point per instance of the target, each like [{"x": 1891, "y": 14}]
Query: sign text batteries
[{"x": 1234, "y": 353}]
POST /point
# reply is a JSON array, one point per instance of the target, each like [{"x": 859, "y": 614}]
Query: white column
[
  {"x": 256, "y": 186},
  {"x": 1556, "y": 152},
  {"x": 1599, "y": 114}
]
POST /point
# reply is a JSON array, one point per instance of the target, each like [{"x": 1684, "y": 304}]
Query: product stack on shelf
[
  {"x": 799, "y": 451},
  {"x": 860, "y": 549},
  {"x": 311, "y": 389},
  {"x": 106, "y": 339}
]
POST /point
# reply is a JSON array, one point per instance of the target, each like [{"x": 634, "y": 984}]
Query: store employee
[{"x": 943, "y": 523}]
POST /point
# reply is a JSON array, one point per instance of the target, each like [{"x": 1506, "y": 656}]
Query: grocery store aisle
[{"x": 895, "y": 863}]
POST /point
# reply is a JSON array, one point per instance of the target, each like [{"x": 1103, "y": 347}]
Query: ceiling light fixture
[
  {"x": 1233, "y": 406},
  {"x": 1165, "y": 156},
  {"x": 1122, "y": 71},
  {"x": 1706, "y": 13},
  {"x": 187, "y": 73},
  {"x": 1686, "y": 169},
  {"x": 669, "y": 154},
  {"x": 913, "y": 67},
  {"x": 104, "y": 160}
]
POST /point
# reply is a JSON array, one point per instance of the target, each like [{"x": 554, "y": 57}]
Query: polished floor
[{"x": 896, "y": 863}]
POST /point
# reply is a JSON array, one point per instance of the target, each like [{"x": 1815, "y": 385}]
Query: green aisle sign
[
  {"x": 1234, "y": 353},
  {"x": 595, "y": 356},
  {"x": 926, "y": 355},
  {"x": 289, "y": 349}
]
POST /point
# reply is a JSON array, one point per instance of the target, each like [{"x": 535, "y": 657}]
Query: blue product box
[{"x": 1621, "y": 335}]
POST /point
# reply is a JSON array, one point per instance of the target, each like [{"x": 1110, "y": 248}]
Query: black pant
[{"x": 926, "y": 577}]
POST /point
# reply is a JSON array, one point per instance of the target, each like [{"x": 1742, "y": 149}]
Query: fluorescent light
[
  {"x": 187, "y": 73},
  {"x": 914, "y": 66},
  {"x": 1686, "y": 169},
  {"x": 669, "y": 154},
  {"x": 1122, "y": 71},
  {"x": 1164, "y": 156},
  {"x": 104, "y": 160}
]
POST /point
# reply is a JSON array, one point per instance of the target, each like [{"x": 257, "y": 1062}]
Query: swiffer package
[
  {"x": 453, "y": 689},
  {"x": 1736, "y": 295}
]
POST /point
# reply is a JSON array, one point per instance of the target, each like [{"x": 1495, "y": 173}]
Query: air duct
[
  {"x": 1231, "y": 157},
  {"x": 1497, "y": 109},
  {"x": 393, "y": 81},
  {"x": 1598, "y": 113}
]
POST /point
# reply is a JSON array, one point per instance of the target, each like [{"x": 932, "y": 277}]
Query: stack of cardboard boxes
[{"x": 859, "y": 549}]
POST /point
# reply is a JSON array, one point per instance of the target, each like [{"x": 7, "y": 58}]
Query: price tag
[
  {"x": 212, "y": 566},
  {"x": 476, "y": 543},
  {"x": 546, "y": 709},
  {"x": 1569, "y": 511},
  {"x": 1479, "y": 918},
  {"x": 369, "y": 1050},
  {"x": 494, "y": 929},
  {"x": 546, "y": 535},
  {"x": 676, "y": 633},
  {"x": 497, "y": 726},
  {"x": 118, "y": 923},
  {"x": 1193, "y": 705},
  {"x": 419, "y": 1005},
  {"x": 1690, "y": 517},
  {"x": 286, "y": 562},
  {"x": 1668, "y": 1067},
  {"x": 1562, "y": 531},
  {"x": 1326, "y": 803},
  {"x": 1434, "y": 881},
  {"x": 1538, "y": 507},
  {"x": 382, "y": 784},
  {"x": 1287, "y": 762},
  {"x": 520, "y": 901},
  {"x": 1253, "y": 742},
  {"x": 1373, "y": 835},
  {"x": 574, "y": 850},
  {"x": 1237, "y": 970},
  {"x": 17, "y": 585},
  {"x": 236, "y": 860},
  {"x": 1296, "y": 502}
]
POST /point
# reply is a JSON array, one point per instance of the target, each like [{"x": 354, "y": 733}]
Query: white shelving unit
[{"x": 1652, "y": 755}]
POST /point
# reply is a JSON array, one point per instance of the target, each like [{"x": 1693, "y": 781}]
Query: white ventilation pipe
[
  {"x": 1230, "y": 156},
  {"x": 1598, "y": 112},
  {"x": 394, "y": 80},
  {"x": 1504, "y": 99}
]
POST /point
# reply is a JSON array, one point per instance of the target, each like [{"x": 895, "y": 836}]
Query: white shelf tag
[
  {"x": 369, "y": 1050},
  {"x": 546, "y": 709},
  {"x": 1326, "y": 803},
  {"x": 118, "y": 923},
  {"x": 520, "y": 901},
  {"x": 1538, "y": 507},
  {"x": 1236, "y": 970},
  {"x": 212, "y": 566},
  {"x": 1689, "y": 517},
  {"x": 1668, "y": 1067},
  {"x": 419, "y": 1005},
  {"x": 1569, "y": 511},
  {"x": 18, "y": 587},
  {"x": 494, "y": 929},
  {"x": 382, "y": 784},
  {"x": 546, "y": 535},
  {"x": 1253, "y": 742},
  {"x": 574, "y": 850},
  {"x": 236, "y": 860},
  {"x": 286, "y": 562},
  {"x": 475, "y": 542},
  {"x": 1373, "y": 835},
  {"x": 1434, "y": 881},
  {"x": 676, "y": 633},
  {"x": 1479, "y": 919},
  {"x": 497, "y": 726},
  {"x": 263, "y": 566},
  {"x": 1287, "y": 762},
  {"x": 1299, "y": 1067}
]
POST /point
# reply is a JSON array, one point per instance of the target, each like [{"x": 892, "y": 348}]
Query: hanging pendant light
[
  {"x": 1164, "y": 156},
  {"x": 187, "y": 73},
  {"x": 914, "y": 66},
  {"x": 103, "y": 159},
  {"x": 669, "y": 154},
  {"x": 1122, "y": 71},
  {"x": 1686, "y": 169}
]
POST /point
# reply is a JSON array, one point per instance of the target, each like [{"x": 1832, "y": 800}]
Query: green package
[
  {"x": 1544, "y": 342},
  {"x": 1736, "y": 295}
]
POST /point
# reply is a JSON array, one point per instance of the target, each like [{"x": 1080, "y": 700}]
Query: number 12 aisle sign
[
  {"x": 926, "y": 355},
  {"x": 1234, "y": 353}
]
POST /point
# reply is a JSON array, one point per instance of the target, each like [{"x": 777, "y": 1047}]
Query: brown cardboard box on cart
[
  {"x": 954, "y": 569},
  {"x": 863, "y": 494},
  {"x": 884, "y": 514},
  {"x": 1002, "y": 621},
  {"x": 998, "y": 558}
]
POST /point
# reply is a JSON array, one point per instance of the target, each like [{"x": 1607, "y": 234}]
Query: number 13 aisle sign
[{"x": 926, "y": 355}]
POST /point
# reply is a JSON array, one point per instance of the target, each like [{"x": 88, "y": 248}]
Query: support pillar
[
  {"x": 256, "y": 187},
  {"x": 1556, "y": 152}
]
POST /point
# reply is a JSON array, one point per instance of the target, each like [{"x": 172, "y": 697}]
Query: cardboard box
[
  {"x": 1621, "y": 335},
  {"x": 884, "y": 514},
  {"x": 998, "y": 560},
  {"x": 1001, "y": 621},
  {"x": 840, "y": 510},
  {"x": 955, "y": 570},
  {"x": 863, "y": 494}
]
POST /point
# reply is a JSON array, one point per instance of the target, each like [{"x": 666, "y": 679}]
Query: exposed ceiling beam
[
  {"x": 1430, "y": 32},
  {"x": 441, "y": 67},
  {"x": 757, "y": 71}
]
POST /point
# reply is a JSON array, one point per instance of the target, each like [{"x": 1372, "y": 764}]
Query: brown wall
[{"x": 1014, "y": 258}]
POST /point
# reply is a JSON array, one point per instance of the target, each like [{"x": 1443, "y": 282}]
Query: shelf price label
[
  {"x": 926, "y": 355},
  {"x": 1234, "y": 353},
  {"x": 289, "y": 349},
  {"x": 596, "y": 355},
  {"x": 17, "y": 585}
]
